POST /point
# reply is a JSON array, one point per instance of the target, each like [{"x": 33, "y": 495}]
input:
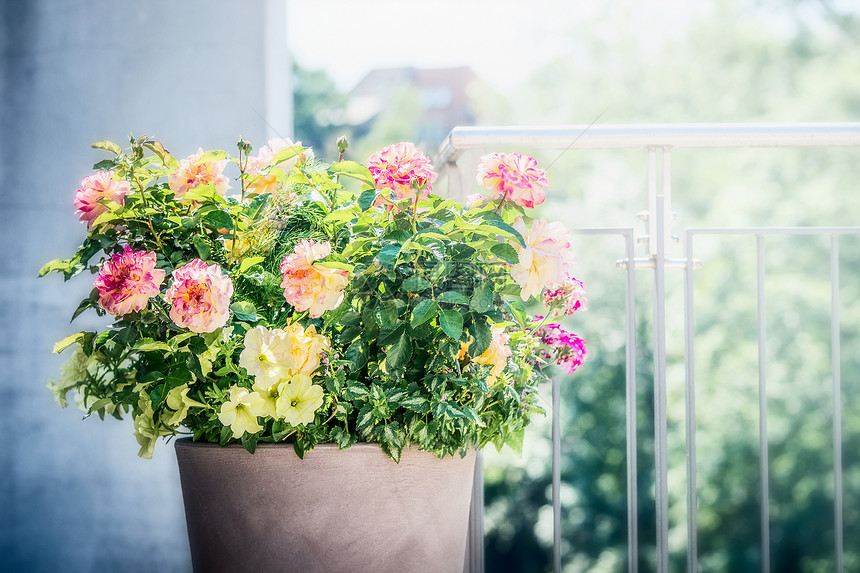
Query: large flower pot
[{"x": 352, "y": 510}]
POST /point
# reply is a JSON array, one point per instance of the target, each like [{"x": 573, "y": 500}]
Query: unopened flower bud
[{"x": 342, "y": 143}]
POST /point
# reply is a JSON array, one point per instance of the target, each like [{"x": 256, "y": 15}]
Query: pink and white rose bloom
[
  {"x": 195, "y": 173},
  {"x": 309, "y": 286},
  {"x": 200, "y": 297},
  {"x": 513, "y": 176},
  {"x": 401, "y": 167},
  {"x": 127, "y": 281},
  {"x": 546, "y": 258},
  {"x": 99, "y": 185},
  {"x": 259, "y": 183}
]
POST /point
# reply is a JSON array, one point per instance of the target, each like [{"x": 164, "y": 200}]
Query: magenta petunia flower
[
  {"x": 127, "y": 281},
  {"x": 99, "y": 185},
  {"x": 311, "y": 287},
  {"x": 513, "y": 176},
  {"x": 200, "y": 297},
  {"x": 401, "y": 168},
  {"x": 194, "y": 173},
  {"x": 565, "y": 348},
  {"x": 567, "y": 297}
]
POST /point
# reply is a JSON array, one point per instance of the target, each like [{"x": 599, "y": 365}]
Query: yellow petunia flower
[
  {"x": 238, "y": 411},
  {"x": 299, "y": 399}
]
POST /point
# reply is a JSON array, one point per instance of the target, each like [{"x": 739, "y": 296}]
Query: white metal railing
[{"x": 658, "y": 141}]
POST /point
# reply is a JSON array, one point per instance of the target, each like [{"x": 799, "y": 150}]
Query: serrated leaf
[
  {"x": 385, "y": 314},
  {"x": 399, "y": 353},
  {"x": 416, "y": 284},
  {"x": 482, "y": 298},
  {"x": 219, "y": 220},
  {"x": 342, "y": 438},
  {"x": 483, "y": 336},
  {"x": 418, "y": 404},
  {"x": 353, "y": 169},
  {"x": 453, "y": 297},
  {"x": 506, "y": 252},
  {"x": 107, "y": 146},
  {"x": 104, "y": 165},
  {"x": 518, "y": 311},
  {"x": 356, "y": 355},
  {"x": 356, "y": 392},
  {"x": 424, "y": 311},
  {"x": 452, "y": 323}
]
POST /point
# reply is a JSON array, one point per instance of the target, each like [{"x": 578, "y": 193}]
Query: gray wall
[{"x": 192, "y": 73}]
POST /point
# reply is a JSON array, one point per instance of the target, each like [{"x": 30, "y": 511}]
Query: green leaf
[
  {"x": 335, "y": 265},
  {"x": 385, "y": 314},
  {"x": 353, "y": 169},
  {"x": 339, "y": 215},
  {"x": 504, "y": 227},
  {"x": 250, "y": 262},
  {"x": 250, "y": 442},
  {"x": 287, "y": 154},
  {"x": 104, "y": 165},
  {"x": 416, "y": 284},
  {"x": 148, "y": 345},
  {"x": 107, "y": 146},
  {"x": 244, "y": 310},
  {"x": 483, "y": 337},
  {"x": 342, "y": 438},
  {"x": 506, "y": 252},
  {"x": 388, "y": 255},
  {"x": 215, "y": 155},
  {"x": 356, "y": 355},
  {"x": 452, "y": 323},
  {"x": 424, "y": 311},
  {"x": 518, "y": 310},
  {"x": 226, "y": 434},
  {"x": 202, "y": 247},
  {"x": 418, "y": 404},
  {"x": 367, "y": 199},
  {"x": 219, "y": 219},
  {"x": 159, "y": 150},
  {"x": 482, "y": 298},
  {"x": 68, "y": 341},
  {"x": 99, "y": 404},
  {"x": 399, "y": 353},
  {"x": 55, "y": 265},
  {"x": 356, "y": 391},
  {"x": 440, "y": 271},
  {"x": 453, "y": 297}
]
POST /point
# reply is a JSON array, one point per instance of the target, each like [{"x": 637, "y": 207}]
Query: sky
[{"x": 502, "y": 40}]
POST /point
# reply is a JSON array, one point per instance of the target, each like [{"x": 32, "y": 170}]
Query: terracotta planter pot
[{"x": 334, "y": 511}]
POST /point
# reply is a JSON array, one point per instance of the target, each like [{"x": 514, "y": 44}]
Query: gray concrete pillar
[{"x": 73, "y": 494}]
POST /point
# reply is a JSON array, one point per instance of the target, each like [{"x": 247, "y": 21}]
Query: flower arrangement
[{"x": 317, "y": 303}]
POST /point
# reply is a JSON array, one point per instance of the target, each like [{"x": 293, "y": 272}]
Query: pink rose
[
  {"x": 546, "y": 258},
  {"x": 200, "y": 297},
  {"x": 312, "y": 287},
  {"x": 127, "y": 281},
  {"x": 400, "y": 168},
  {"x": 194, "y": 173},
  {"x": 513, "y": 176},
  {"x": 99, "y": 185}
]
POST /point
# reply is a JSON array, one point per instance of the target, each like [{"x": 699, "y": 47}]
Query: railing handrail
[{"x": 637, "y": 136}]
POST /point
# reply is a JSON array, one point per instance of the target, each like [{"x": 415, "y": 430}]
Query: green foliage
[{"x": 405, "y": 339}]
